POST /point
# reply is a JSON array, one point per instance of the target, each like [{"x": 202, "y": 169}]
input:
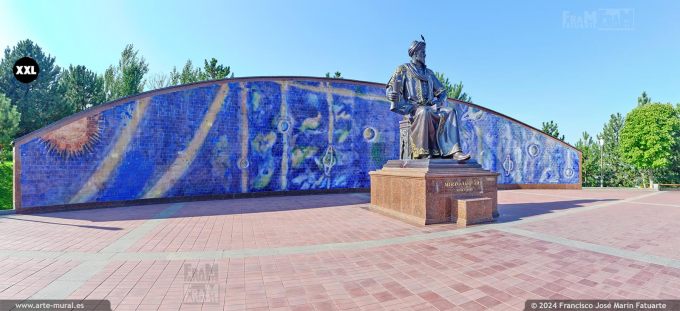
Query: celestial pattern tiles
[
  {"x": 519, "y": 154},
  {"x": 245, "y": 135}
]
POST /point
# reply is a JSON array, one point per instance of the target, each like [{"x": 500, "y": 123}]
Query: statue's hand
[{"x": 393, "y": 96}]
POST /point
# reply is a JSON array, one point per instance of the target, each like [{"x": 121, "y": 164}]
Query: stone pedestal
[
  {"x": 474, "y": 211},
  {"x": 428, "y": 191}
]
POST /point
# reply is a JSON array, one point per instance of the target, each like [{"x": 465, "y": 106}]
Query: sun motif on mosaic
[{"x": 75, "y": 138}]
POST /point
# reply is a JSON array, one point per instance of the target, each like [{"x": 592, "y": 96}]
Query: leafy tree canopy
[
  {"x": 616, "y": 171},
  {"x": 551, "y": 129},
  {"x": 590, "y": 160},
  {"x": 454, "y": 91},
  {"x": 336, "y": 75},
  {"x": 212, "y": 70},
  {"x": 40, "y": 99},
  {"x": 644, "y": 99},
  {"x": 127, "y": 78},
  {"x": 650, "y": 136},
  {"x": 9, "y": 122},
  {"x": 82, "y": 88}
]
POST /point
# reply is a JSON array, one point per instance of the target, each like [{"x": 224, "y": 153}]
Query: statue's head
[{"x": 417, "y": 51}]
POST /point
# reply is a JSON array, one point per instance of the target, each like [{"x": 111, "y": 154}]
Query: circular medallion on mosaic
[
  {"x": 243, "y": 163},
  {"x": 75, "y": 138},
  {"x": 370, "y": 134},
  {"x": 533, "y": 150},
  {"x": 283, "y": 126}
]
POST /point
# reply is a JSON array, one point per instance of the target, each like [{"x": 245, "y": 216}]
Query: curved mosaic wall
[{"x": 251, "y": 135}]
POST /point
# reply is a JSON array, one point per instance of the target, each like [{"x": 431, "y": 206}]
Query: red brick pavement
[
  {"x": 475, "y": 270},
  {"x": 274, "y": 222},
  {"x": 485, "y": 270},
  {"x": 649, "y": 229},
  {"x": 86, "y": 230}
]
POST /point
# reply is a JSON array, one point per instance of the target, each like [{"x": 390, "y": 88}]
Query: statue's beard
[{"x": 420, "y": 61}]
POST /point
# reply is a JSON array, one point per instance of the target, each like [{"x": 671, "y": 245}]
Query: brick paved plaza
[{"x": 327, "y": 252}]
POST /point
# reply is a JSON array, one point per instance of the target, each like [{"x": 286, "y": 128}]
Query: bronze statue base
[{"x": 431, "y": 191}]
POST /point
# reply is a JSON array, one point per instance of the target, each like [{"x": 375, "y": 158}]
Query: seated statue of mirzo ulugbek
[{"x": 415, "y": 91}]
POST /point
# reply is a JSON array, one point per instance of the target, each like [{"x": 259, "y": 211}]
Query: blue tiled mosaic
[{"x": 238, "y": 136}]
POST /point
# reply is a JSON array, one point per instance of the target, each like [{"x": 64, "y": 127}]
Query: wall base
[{"x": 80, "y": 206}]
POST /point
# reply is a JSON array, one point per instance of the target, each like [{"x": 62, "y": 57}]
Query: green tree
[
  {"x": 671, "y": 173},
  {"x": 82, "y": 88},
  {"x": 644, "y": 99},
  {"x": 9, "y": 125},
  {"x": 454, "y": 91},
  {"x": 212, "y": 70},
  {"x": 649, "y": 137},
  {"x": 128, "y": 77},
  {"x": 190, "y": 74},
  {"x": 590, "y": 157},
  {"x": 336, "y": 75},
  {"x": 551, "y": 129},
  {"x": 111, "y": 89},
  {"x": 174, "y": 77},
  {"x": 41, "y": 101},
  {"x": 158, "y": 81},
  {"x": 616, "y": 172}
]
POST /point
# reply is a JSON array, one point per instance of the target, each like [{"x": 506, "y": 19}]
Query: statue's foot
[{"x": 460, "y": 156}]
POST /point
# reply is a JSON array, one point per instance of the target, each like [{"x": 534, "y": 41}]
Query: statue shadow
[{"x": 518, "y": 211}]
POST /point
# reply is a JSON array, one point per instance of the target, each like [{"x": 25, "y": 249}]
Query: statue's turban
[{"x": 415, "y": 46}]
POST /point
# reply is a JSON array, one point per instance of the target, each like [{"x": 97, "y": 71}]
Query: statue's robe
[{"x": 434, "y": 129}]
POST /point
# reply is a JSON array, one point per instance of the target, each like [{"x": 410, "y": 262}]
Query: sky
[{"x": 536, "y": 61}]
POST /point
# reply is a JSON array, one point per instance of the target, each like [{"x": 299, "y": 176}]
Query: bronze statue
[{"x": 416, "y": 92}]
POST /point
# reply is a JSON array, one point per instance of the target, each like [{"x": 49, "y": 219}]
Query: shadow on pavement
[
  {"x": 508, "y": 212},
  {"x": 518, "y": 211},
  {"x": 61, "y": 224},
  {"x": 213, "y": 208}
]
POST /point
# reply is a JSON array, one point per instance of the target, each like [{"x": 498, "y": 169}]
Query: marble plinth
[{"x": 428, "y": 191}]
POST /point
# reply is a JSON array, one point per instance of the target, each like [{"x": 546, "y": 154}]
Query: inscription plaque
[
  {"x": 460, "y": 185},
  {"x": 463, "y": 185}
]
